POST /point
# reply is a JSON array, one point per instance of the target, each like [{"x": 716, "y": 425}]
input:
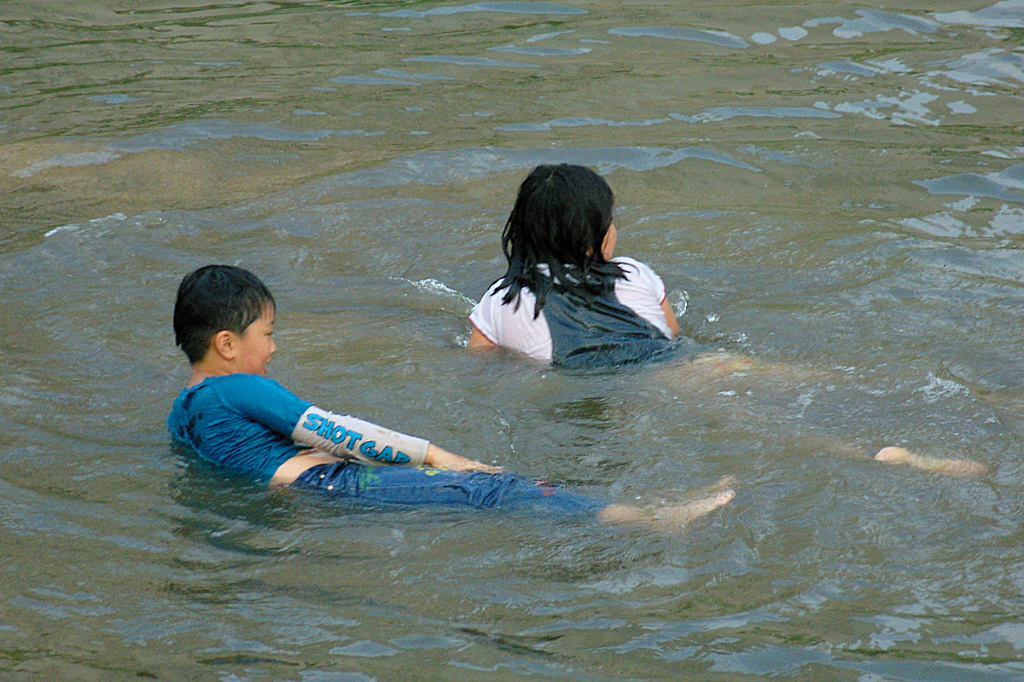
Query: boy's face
[{"x": 256, "y": 344}]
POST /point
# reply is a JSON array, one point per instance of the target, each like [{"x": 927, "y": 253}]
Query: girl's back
[{"x": 564, "y": 299}]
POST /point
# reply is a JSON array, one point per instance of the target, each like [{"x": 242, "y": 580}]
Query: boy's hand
[{"x": 440, "y": 458}]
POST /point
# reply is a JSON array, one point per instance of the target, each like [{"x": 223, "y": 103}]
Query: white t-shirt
[{"x": 641, "y": 290}]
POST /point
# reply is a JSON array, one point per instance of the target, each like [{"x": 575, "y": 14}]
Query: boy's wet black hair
[
  {"x": 560, "y": 217},
  {"x": 215, "y": 298}
]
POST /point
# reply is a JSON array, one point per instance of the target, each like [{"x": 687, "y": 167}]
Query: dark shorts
[
  {"x": 411, "y": 485},
  {"x": 602, "y": 332}
]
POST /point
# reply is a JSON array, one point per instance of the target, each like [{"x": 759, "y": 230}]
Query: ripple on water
[
  {"x": 720, "y": 38},
  {"x": 1005, "y": 14},
  {"x": 504, "y": 7},
  {"x": 874, "y": 21},
  {"x": 1006, "y": 184},
  {"x": 993, "y": 66}
]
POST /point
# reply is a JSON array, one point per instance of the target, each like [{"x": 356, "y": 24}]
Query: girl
[{"x": 565, "y": 299}]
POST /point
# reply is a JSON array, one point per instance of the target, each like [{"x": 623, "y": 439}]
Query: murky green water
[{"x": 838, "y": 189}]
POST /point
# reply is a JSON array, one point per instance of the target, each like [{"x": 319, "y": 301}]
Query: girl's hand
[
  {"x": 440, "y": 458},
  {"x": 670, "y": 318}
]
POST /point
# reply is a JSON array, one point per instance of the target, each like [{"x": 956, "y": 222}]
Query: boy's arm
[
  {"x": 351, "y": 438},
  {"x": 440, "y": 458}
]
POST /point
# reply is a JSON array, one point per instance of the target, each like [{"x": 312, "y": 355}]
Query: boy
[{"x": 235, "y": 417}]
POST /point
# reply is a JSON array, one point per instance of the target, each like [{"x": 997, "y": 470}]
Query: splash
[
  {"x": 938, "y": 388},
  {"x": 439, "y": 289}
]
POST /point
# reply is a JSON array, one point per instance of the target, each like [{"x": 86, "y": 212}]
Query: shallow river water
[{"x": 836, "y": 190}]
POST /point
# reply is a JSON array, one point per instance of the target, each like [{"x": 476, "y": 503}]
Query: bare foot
[
  {"x": 680, "y": 516},
  {"x": 949, "y": 467},
  {"x": 724, "y": 484},
  {"x": 669, "y": 518},
  {"x": 713, "y": 366}
]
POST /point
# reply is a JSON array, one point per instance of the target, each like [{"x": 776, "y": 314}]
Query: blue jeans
[{"x": 411, "y": 485}]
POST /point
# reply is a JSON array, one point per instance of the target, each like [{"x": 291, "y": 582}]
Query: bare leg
[
  {"x": 898, "y": 455},
  {"x": 714, "y": 371},
  {"x": 723, "y": 365},
  {"x": 671, "y": 518},
  {"x": 949, "y": 467}
]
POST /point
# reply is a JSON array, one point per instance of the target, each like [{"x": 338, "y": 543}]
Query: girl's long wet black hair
[{"x": 560, "y": 218}]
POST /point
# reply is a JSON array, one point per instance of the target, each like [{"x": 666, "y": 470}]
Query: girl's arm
[
  {"x": 670, "y": 318},
  {"x": 477, "y": 341}
]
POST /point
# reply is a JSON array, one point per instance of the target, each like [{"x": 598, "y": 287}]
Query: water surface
[{"x": 837, "y": 190}]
